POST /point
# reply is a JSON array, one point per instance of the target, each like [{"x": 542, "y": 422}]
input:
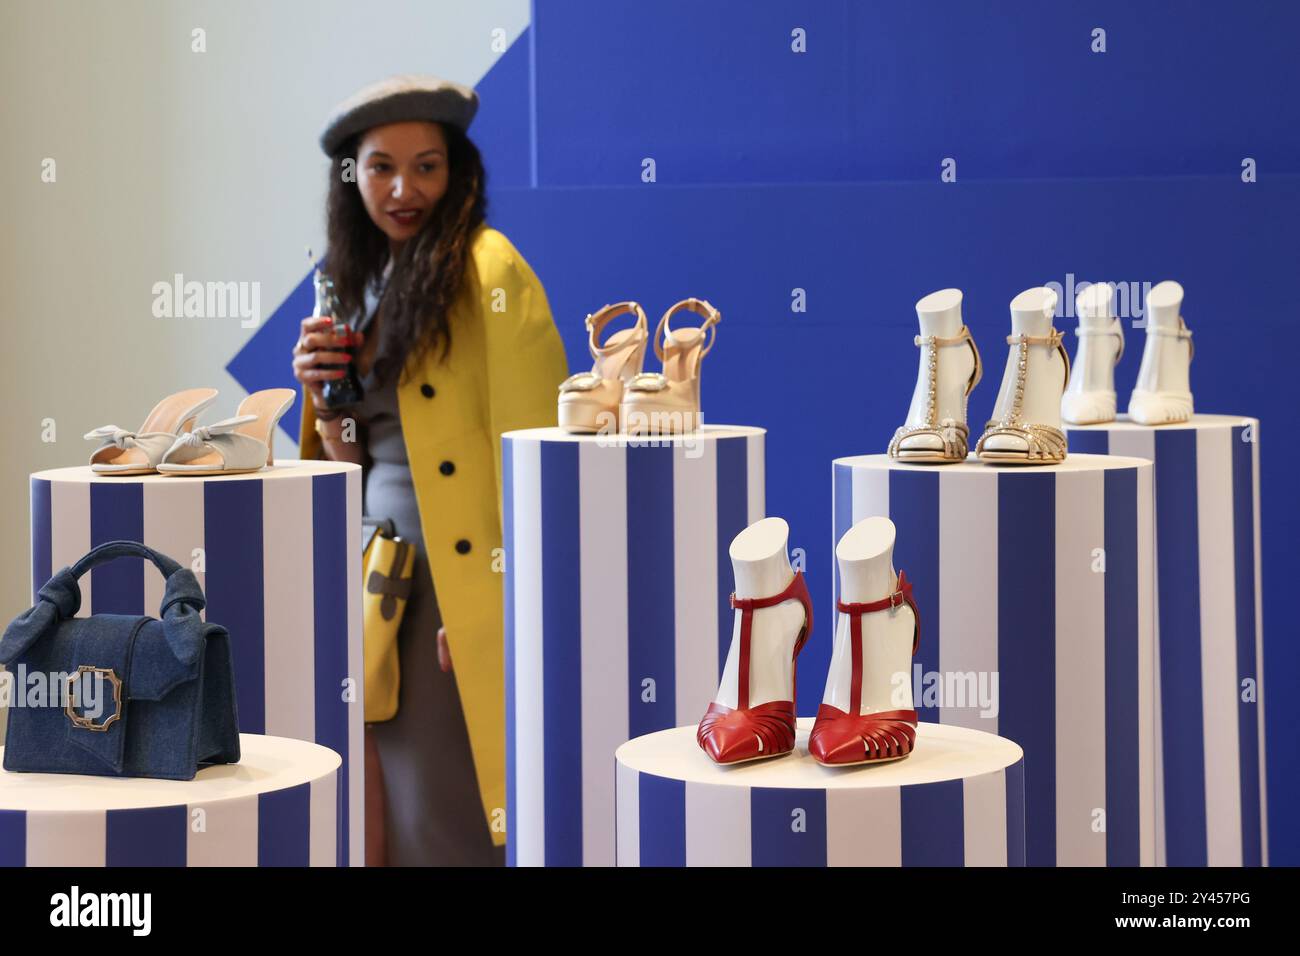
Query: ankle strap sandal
[
  {"x": 1044, "y": 444},
  {"x": 1182, "y": 332},
  {"x": 669, "y": 401},
  {"x": 840, "y": 739},
  {"x": 954, "y": 434},
  {"x": 589, "y": 400},
  {"x": 766, "y": 730},
  {"x": 1116, "y": 329}
]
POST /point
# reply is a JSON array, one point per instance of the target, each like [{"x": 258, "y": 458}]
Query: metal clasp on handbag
[{"x": 80, "y": 720}]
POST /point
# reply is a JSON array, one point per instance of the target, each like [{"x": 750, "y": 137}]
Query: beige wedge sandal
[
  {"x": 953, "y": 434},
  {"x": 236, "y": 445},
  {"x": 668, "y": 402},
  {"x": 138, "y": 452},
  {"x": 589, "y": 400}
]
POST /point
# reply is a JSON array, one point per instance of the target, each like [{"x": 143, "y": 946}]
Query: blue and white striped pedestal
[
  {"x": 1211, "y": 804},
  {"x": 277, "y": 807},
  {"x": 1037, "y": 623},
  {"x": 617, "y": 621},
  {"x": 958, "y": 800},
  {"x": 278, "y": 553}
]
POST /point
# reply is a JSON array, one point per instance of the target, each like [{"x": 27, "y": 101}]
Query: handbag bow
[
  {"x": 196, "y": 438},
  {"x": 112, "y": 435}
]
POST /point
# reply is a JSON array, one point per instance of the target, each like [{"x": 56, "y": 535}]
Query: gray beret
[{"x": 397, "y": 100}]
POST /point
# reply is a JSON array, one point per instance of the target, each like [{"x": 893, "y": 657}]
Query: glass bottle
[{"x": 345, "y": 391}]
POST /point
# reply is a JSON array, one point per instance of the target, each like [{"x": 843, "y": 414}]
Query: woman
[{"x": 457, "y": 345}]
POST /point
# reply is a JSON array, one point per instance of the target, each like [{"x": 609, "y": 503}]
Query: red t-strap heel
[
  {"x": 767, "y": 730},
  {"x": 841, "y": 739}
]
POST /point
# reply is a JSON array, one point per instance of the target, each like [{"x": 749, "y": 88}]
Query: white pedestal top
[
  {"x": 283, "y": 468},
  {"x": 266, "y": 764},
  {"x": 1123, "y": 424},
  {"x": 707, "y": 433},
  {"x": 943, "y": 752},
  {"x": 1072, "y": 462}
]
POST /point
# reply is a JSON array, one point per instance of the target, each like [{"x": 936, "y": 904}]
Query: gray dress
[{"x": 433, "y": 811}]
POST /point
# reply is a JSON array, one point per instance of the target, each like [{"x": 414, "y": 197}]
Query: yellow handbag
[{"x": 388, "y": 563}]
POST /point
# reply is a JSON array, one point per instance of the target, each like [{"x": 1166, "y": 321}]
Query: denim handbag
[{"x": 126, "y": 696}]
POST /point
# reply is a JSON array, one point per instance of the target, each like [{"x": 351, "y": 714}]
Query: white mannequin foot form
[
  {"x": 752, "y": 715},
  {"x": 936, "y": 429},
  {"x": 1026, "y": 425},
  {"x": 1163, "y": 394},
  {"x": 870, "y": 669},
  {"x": 1090, "y": 397}
]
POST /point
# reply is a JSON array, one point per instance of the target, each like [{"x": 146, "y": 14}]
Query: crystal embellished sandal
[
  {"x": 766, "y": 730},
  {"x": 668, "y": 402},
  {"x": 1044, "y": 444},
  {"x": 952, "y": 433},
  {"x": 843, "y": 739},
  {"x": 589, "y": 400}
]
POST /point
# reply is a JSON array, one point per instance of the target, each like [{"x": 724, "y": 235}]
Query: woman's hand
[{"x": 317, "y": 346}]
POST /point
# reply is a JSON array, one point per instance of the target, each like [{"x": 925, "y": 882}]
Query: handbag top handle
[
  {"x": 60, "y": 599},
  {"x": 116, "y": 549}
]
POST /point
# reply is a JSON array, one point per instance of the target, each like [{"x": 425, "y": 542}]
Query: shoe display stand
[
  {"x": 1209, "y": 634},
  {"x": 1038, "y": 623},
  {"x": 277, "y": 807},
  {"x": 957, "y": 800},
  {"x": 278, "y": 554},
  {"x": 617, "y": 619}
]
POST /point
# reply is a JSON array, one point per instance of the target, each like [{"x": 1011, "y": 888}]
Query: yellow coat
[{"x": 502, "y": 373}]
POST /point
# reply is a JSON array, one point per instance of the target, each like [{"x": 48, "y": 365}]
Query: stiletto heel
[
  {"x": 589, "y": 400},
  {"x": 138, "y": 453},
  {"x": 235, "y": 445},
  {"x": 840, "y": 738},
  {"x": 766, "y": 730},
  {"x": 668, "y": 402}
]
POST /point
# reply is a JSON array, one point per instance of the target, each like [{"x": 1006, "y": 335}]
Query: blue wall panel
[{"x": 713, "y": 92}]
